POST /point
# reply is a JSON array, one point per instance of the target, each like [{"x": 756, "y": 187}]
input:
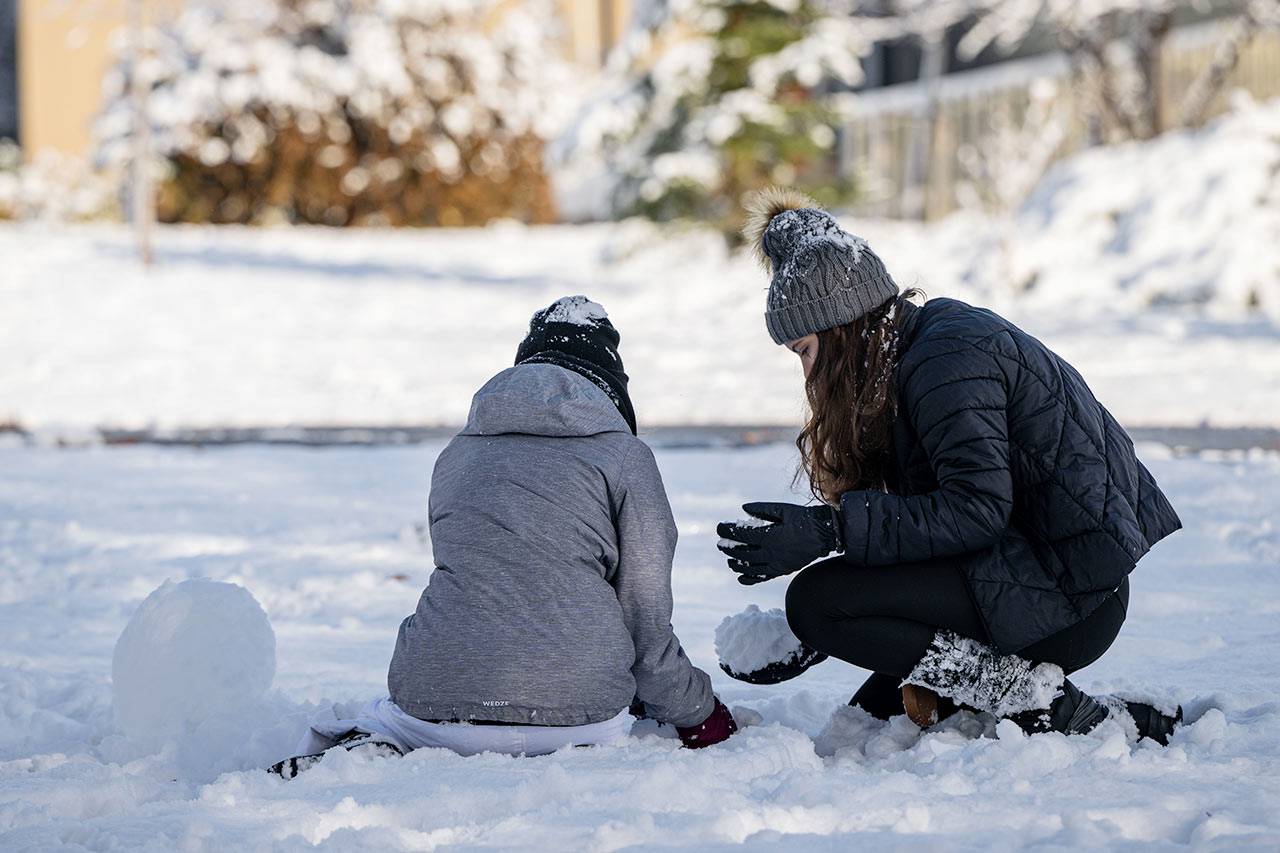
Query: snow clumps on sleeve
[{"x": 975, "y": 674}]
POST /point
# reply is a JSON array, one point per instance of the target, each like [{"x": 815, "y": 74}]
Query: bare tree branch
[
  {"x": 1094, "y": 46},
  {"x": 1210, "y": 81}
]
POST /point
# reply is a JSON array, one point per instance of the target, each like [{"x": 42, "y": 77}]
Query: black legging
[{"x": 883, "y": 619}]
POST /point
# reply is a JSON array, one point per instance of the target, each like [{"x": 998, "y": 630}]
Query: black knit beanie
[{"x": 575, "y": 333}]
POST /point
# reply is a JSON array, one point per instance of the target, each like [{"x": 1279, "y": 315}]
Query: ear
[{"x": 762, "y": 206}]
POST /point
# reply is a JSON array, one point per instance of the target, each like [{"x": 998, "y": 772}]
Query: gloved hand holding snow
[
  {"x": 757, "y": 646},
  {"x": 194, "y": 651},
  {"x": 792, "y": 537}
]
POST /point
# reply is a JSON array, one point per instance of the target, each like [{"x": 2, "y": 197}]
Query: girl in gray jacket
[{"x": 549, "y": 610}]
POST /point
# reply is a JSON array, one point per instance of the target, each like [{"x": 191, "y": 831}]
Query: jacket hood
[{"x": 542, "y": 399}]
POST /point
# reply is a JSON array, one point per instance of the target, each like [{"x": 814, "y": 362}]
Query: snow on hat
[
  {"x": 575, "y": 333},
  {"x": 823, "y": 276}
]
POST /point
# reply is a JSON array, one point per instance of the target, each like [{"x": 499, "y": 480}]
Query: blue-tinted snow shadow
[
  {"x": 1195, "y": 324},
  {"x": 247, "y": 258}
]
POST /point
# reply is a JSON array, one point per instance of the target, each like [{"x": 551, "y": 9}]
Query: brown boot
[{"x": 921, "y": 704}]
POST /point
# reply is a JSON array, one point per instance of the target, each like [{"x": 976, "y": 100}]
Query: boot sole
[{"x": 290, "y": 768}]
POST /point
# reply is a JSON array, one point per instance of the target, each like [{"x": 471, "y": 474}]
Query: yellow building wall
[
  {"x": 64, "y": 51},
  {"x": 592, "y": 27}
]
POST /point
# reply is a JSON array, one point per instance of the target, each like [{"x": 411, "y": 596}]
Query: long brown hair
[{"x": 845, "y": 443}]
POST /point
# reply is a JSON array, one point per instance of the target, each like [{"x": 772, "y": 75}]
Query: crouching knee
[{"x": 808, "y": 605}]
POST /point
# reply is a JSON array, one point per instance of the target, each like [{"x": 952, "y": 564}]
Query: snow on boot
[
  {"x": 352, "y": 740},
  {"x": 976, "y": 675},
  {"x": 1148, "y": 721},
  {"x": 1072, "y": 712}
]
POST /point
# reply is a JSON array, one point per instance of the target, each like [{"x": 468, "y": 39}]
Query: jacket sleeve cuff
[
  {"x": 837, "y": 526},
  {"x": 854, "y": 518}
]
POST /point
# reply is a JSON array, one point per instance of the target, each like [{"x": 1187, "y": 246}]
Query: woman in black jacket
[{"x": 986, "y": 508}]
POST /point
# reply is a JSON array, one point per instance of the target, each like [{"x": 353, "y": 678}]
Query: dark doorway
[{"x": 9, "y": 69}]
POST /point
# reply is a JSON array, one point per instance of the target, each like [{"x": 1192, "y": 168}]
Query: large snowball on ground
[{"x": 193, "y": 651}]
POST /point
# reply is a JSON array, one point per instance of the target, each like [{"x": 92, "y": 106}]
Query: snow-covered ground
[
  {"x": 329, "y": 542},
  {"x": 266, "y": 328},
  {"x": 1152, "y": 267}
]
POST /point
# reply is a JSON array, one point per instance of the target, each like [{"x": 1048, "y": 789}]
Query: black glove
[
  {"x": 794, "y": 538},
  {"x": 779, "y": 671}
]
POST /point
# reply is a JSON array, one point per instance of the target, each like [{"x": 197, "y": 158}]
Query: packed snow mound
[
  {"x": 1189, "y": 218},
  {"x": 194, "y": 652},
  {"x": 753, "y": 639}
]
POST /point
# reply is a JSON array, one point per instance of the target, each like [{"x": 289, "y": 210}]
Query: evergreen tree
[{"x": 709, "y": 99}]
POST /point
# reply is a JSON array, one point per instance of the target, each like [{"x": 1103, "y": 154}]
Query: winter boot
[
  {"x": 1071, "y": 712},
  {"x": 926, "y": 708},
  {"x": 1152, "y": 723},
  {"x": 976, "y": 675},
  {"x": 921, "y": 705},
  {"x": 352, "y": 740}
]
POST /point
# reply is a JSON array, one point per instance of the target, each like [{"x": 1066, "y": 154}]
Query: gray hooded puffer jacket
[{"x": 551, "y": 602}]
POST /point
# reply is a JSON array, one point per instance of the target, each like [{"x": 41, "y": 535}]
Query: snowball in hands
[
  {"x": 751, "y": 640},
  {"x": 193, "y": 651}
]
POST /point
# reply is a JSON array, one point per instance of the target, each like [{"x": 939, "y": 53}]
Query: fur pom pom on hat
[{"x": 823, "y": 276}]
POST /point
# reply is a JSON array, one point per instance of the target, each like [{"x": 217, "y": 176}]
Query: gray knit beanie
[{"x": 823, "y": 276}]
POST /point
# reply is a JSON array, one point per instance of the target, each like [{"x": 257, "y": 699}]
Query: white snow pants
[{"x": 385, "y": 718}]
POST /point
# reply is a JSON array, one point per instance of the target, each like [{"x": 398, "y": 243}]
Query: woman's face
[{"x": 807, "y": 349}]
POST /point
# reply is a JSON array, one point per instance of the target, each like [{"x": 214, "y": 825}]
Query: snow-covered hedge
[{"x": 370, "y": 112}]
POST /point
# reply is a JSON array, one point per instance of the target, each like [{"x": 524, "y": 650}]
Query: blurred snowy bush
[
  {"x": 342, "y": 112},
  {"x": 707, "y": 99},
  {"x": 53, "y": 186}
]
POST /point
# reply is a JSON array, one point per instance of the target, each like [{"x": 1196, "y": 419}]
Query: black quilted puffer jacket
[{"x": 1005, "y": 462}]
